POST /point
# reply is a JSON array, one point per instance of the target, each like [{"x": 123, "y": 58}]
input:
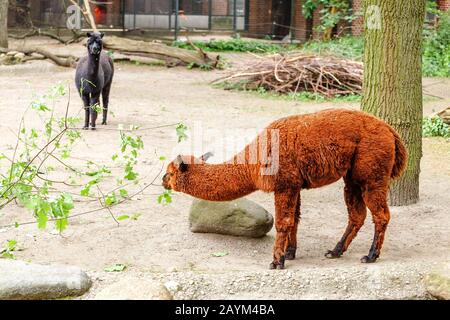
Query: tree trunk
[
  {"x": 4, "y": 23},
  {"x": 392, "y": 88}
]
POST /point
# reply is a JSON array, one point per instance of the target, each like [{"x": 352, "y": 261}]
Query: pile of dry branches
[{"x": 284, "y": 74}]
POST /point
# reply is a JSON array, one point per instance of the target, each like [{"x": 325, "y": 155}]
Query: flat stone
[
  {"x": 240, "y": 217},
  {"x": 23, "y": 281},
  {"x": 133, "y": 288}
]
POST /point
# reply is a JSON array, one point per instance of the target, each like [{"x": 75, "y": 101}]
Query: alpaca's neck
[
  {"x": 94, "y": 65},
  {"x": 217, "y": 182}
]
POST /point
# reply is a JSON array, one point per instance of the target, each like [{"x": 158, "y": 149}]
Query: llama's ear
[
  {"x": 181, "y": 166},
  {"x": 206, "y": 156},
  {"x": 102, "y": 35},
  {"x": 89, "y": 34}
]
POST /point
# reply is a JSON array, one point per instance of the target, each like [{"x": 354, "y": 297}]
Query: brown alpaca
[{"x": 314, "y": 150}]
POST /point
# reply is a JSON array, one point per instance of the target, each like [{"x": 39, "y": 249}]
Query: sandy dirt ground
[{"x": 159, "y": 244}]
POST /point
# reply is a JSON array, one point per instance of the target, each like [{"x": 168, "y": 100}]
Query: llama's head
[
  {"x": 95, "y": 42},
  {"x": 179, "y": 168}
]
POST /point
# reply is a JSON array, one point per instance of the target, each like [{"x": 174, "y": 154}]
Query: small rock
[
  {"x": 19, "y": 56},
  {"x": 240, "y": 217},
  {"x": 172, "y": 286},
  {"x": 132, "y": 288},
  {"x": 24, "y": 281},
  {"x": 12, "y": 53},
  {"x": 438, "y": 282}
]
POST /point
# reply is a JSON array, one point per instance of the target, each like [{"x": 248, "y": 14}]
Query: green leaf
[
  {"x": 124, "y": 217},
  {"x": 181, "y": 132},
  {"x": 123, "y": 193},
  {"x": 165, "y": 198},
  {"x": 136, "y": 216},
  {"x": 219, "y": 254},
  {"x": 116, "y": 268}
]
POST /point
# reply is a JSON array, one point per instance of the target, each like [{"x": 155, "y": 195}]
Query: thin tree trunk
[
  {"x": 4, "y": 23},
  {"x": 392, "y": 87},
  {"x": 89, "y": 15}
]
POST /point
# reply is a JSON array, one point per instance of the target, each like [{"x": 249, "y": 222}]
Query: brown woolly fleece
[{"x": 312, "y": 150}]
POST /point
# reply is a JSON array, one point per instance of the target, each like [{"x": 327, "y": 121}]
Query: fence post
[
  {"x": 235, "y": 16},
  {"x": 210, "y": 14},
  {"x": 292, "y": 26},
  {"x": 177, "y": 9}
]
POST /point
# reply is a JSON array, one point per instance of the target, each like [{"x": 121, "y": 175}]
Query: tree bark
[
  {"x": 392, "y": 88},
  {"x": 4, "y": 23}
]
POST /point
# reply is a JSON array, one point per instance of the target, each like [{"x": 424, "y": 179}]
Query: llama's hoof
[
  {"x": 290, "y": 253},
  {"x": 367, "y": 259},
  {"x": 85, "y": 128},
  {"x": 331, "y": 254},
  {"x": 93, "y": 128},
  {"x": 103, "y": 123},
  {"x": 279, "y": 265}
]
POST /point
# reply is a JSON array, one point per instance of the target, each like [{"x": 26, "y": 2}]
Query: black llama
[{"x": 94, "y": 77}]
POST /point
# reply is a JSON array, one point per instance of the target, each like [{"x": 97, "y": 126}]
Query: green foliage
[
  {"x": 165, "y": 198},
  {"x": 436, "y": 48},
  {"x": 235, "y": 45},
  {"x": 302, "y": 96},
  {"x": 331, "y": 13},
  {"x": 118, "y": 267},
  {"x": 8, "y": 249},
  {"x": 130, "y": 146},
  {"x": 20, "y": 180},
  {"x": 181, "y": 132},
  {"x": 219, "y": 254},
  {"x": 24, "y": 175},
  {"x": 435, "y": 127},
  {"x": 347, "y": 47}
]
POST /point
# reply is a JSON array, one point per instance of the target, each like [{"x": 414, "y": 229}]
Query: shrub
[
  {"x": 435, "y": 127},
  {"x": 235, "y": 45}
]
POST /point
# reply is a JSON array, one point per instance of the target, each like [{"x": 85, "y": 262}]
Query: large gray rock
[
  {"x": 133, "y": 288},
  {"x": 240, "y": 217},
  {"x": 25, "y": 281},
  {"x": 438, "y": 282}
]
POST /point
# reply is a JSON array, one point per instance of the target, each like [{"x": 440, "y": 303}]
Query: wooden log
[{"x": 159, "y": 51}]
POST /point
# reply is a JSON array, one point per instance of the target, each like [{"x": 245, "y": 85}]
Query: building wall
[
  {"x": 443, "y": 5},
  {"x": 357, "y": 24},
  {"x": 260, "y": 18}
]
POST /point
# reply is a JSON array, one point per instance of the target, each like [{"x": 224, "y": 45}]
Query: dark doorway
[{"x": 281, "y": 15}]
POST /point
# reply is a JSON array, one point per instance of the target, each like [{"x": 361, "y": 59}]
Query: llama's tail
[{"x": 401, "y": 156}]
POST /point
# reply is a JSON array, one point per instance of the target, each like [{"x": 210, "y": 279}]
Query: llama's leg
[
  {"x": 95, "y": 100},
  {"x": 285, "y": 207},
  {"x": 376, "y": 200},
  {"x": 292, "y": 242},
  {"x": 105, "y": 98},
  {"x": 86, "y": 103},
  {"x": 357, "y": 212}
]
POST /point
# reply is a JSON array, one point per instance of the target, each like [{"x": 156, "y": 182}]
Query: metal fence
[{"x": 135, "y": 14}]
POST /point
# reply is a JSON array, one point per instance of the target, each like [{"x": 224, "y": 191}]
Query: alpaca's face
[
  {"x": 179, "y": 168},
  {"x": 95, "y": 42}
]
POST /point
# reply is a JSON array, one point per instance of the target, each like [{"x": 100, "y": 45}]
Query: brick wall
[
  {"x": 443, "y": 5},
  {"x": 299, "y": 22},
  {"x": 220, "y": 7},
  {"x": 357, "y": 24},
  {"x": 260, "y": 18}
]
